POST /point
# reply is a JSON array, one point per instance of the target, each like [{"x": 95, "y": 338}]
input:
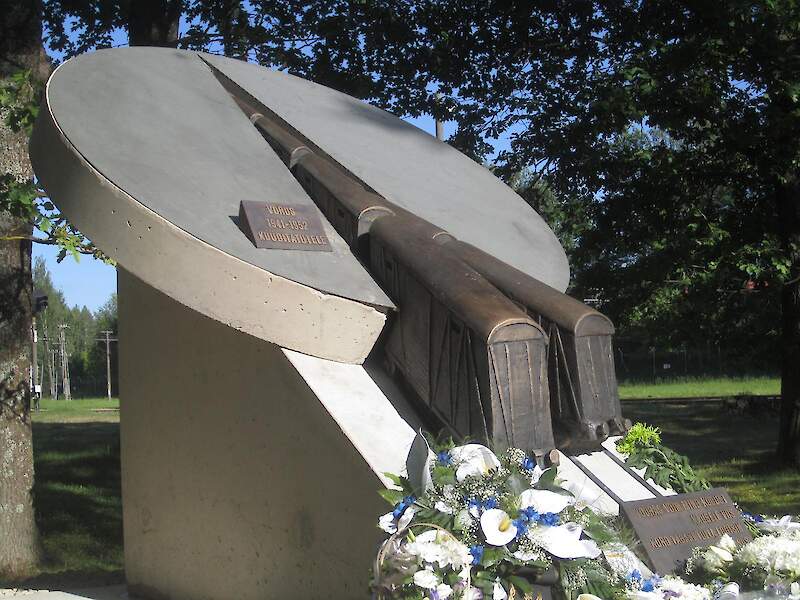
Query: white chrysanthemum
[
  {"x": 443, "y": 591},
  {"x": 426, "y": 579},
  {"x": 675, "y": 587},
  {"x": 473, "y": 460},
  {"x": 780, "y": 553},
  {"x": 473, "y": 593},
  {"x": 497, "y": 527},
  {"x": 544, "y": 501},
  {"x": 439, "y": 548}
]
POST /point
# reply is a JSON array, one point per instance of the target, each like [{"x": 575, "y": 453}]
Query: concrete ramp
[{"x": 602, "y": 479}]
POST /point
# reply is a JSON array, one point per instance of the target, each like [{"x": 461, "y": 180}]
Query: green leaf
[
  {"x": 393, "y": 497},
  {"x": 522, "y": 584}
]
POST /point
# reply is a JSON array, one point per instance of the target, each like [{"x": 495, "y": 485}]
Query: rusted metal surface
[
  {"x": 583, "y": 383},
  {"x": 471, "y": 355},
  {"x": 470, "y": 338}
]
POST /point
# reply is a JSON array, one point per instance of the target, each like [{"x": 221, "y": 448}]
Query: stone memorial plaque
[
  {"x": 284, "y": 226},
  {"x": 671, "y": 526}
]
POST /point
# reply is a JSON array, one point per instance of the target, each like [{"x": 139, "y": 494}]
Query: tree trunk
[
  {"x": 20, "y": 48},
  {"x": 788, "y": 198},
  {"x": 154, "y": 22}
]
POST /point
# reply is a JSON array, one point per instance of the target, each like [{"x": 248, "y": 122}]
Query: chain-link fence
[{"x": 637, "y": 363}]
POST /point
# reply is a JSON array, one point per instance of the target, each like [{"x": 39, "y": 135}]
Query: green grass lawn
[
  {"x": 82, "y": 411},
  {"x": 79, "y": 509},
  {"x": 77, "y": 492},
  {"x": 698, "y": 388},
  {"x": 732, "y": 451}
]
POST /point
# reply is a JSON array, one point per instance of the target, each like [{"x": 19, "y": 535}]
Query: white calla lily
[
  {"x": 564, "y": 541},
  {"x": 536, "y": 475},
  {"x": 785, "y": 523},
  {"x": 388, "y": 524},
  {"x": 588, "y": 597},
  {"x": 473, "y": 460},
  {"x": 498, "y": 527},
  {"x": 545, "y": 501}
]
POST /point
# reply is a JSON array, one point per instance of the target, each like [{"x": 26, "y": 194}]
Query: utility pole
[
  {"x": 62, "y": 342},
  {"x": 34, "y": 364},
  {"x": 108, "y": 339},
  {"x": 39, "y": 305},
  {"x": 53, "y": 374}
]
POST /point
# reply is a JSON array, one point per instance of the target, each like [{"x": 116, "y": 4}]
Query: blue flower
[
  {"x": 444, "y": 457},
  {"x": 401, "y": 507},
  {"x": 528, "y": 463},
  {"x": 552, "y": 520},
  {"x": 477, "y": 554},
  {"x": 474, "y": 503},
  {"x": 521, "y": 524},
  {"x": 635, "y": 575},
  {"x": 531, "y": 514},
  {"x": 648, "y": 586},
  {"x": 490, "y": 503},
  {"x": 751, "y": 517}
]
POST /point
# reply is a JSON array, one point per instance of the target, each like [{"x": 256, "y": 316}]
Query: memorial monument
[{"x": 305, "y": 281}]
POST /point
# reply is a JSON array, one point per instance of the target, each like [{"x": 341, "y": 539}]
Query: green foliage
[
  {"x": 87, "y": 355},
  {"x": 639, "y": 436},
  {"x": 19, "y": 101},
  {"x": 666, "y": 467}
]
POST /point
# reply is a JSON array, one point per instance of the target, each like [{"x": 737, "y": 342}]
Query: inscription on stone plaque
[
  {"x": 670, "y": 526},
  {"x": 283, "y": 226}
]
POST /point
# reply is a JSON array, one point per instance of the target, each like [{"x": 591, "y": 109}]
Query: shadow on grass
[
  {"x": 732, "y": 451},
  {"x": 77, "y": 499}
]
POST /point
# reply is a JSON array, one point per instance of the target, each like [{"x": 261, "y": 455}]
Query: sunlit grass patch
[{"x": 700, "y": 387}]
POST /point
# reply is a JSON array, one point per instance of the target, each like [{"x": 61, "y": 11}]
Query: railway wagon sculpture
[
  {"x": 583, "y": 383},
  {"x": 490, "y": 352}
]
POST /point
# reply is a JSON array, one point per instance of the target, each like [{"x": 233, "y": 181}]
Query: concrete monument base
[{"x": 236, "y": 482}]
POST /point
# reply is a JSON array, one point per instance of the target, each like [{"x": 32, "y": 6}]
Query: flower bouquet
[
  {"x": 488, "y": 526},
  {"x": 478, "y": 525}
]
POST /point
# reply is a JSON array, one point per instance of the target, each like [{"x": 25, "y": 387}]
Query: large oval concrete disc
[
  {"x": 150, "y": 157},
  {"x": 411, "y": 168},
  {"x": 147, "y": 154}
]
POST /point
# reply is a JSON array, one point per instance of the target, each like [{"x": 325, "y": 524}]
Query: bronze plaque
[
  {"x": 284, "y": 226},
  {"x": 670, "y": 526}
]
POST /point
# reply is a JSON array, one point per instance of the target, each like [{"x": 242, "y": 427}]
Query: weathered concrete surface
[
  {"x": 238, "y": 480},
  {"x": 411, "y": 168},
  {"x": 154, "y": 180}
]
